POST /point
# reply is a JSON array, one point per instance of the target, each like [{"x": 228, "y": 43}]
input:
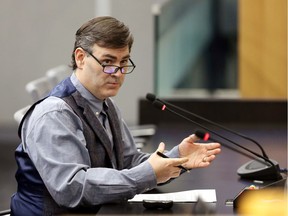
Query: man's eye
[
  {"x": 107, "y": 62},
  {"x": 124, "y": 62}
]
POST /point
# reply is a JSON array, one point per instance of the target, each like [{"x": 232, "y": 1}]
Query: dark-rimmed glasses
[{"x": 111, "y": 69}]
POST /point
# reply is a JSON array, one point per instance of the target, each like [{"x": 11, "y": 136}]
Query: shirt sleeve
[{"x": 54, "y": 140}]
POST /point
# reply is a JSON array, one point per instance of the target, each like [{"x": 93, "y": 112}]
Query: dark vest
[{"x": 97, "y": 142}]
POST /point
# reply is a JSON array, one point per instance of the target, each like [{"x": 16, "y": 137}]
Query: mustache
[{"x": 114, "y": 80}]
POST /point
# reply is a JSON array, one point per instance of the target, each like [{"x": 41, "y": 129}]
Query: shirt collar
[{"x": 95, "y": 104}]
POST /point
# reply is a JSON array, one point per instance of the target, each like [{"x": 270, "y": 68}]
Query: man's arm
[{"x": 56, "y": 145}]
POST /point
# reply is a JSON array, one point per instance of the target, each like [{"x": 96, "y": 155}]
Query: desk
[{"x": 221, "y": 175}]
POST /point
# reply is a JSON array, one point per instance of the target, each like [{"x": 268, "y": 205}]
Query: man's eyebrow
[{"x": 114, "y": 58}]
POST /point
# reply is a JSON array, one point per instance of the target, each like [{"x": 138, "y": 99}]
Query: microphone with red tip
[
  {"x": 152, "y": 98},
  {"x": 260, "y": 168}
]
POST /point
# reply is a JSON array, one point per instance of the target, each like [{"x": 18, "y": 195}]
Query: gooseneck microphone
[
  {"x": 152, "y": 98},
  {"x": 260, "y": 168}
]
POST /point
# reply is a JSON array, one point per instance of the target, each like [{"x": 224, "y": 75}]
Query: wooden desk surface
[{"x": 221, "y": 175}]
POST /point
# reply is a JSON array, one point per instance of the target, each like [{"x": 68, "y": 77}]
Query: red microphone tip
[{"x": 206, "y": 136}]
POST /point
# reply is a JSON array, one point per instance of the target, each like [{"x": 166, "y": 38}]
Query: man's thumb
[{"x": 161, "y": 147}]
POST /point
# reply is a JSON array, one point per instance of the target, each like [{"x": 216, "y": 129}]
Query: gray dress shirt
[{"x": 53, "y": 138}]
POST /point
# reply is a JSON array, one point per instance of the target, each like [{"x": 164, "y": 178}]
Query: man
[{"x": 76, "y": 151}]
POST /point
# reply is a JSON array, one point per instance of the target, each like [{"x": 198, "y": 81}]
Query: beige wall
[
  {"x": 35, "y": 36},
  {"x": 263, "y": 48},
  {"x": 38, "y": 35}
]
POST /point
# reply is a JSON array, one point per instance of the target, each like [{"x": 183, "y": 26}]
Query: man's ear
[{"x": 80, "y": 55}]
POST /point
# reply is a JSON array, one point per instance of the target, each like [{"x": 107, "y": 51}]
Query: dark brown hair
[{"x": 104, "y": 31}]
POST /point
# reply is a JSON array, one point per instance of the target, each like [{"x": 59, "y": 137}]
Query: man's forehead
[{"x": 113, "y": 53}]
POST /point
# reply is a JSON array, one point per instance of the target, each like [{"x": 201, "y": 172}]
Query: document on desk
[{"x": 206, "y": 195}]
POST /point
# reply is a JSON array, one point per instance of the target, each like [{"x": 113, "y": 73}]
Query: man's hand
[
  {"x": 165, "y": 168},
  {"x": 199, "y": 154}
]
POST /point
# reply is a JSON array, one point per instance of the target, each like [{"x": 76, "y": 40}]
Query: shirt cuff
[
  {"x": 144, "y": 177},
  {"x": 173, "y": 153}
]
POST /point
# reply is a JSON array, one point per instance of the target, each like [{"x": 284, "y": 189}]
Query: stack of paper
[{"x": 206, "y": 195}]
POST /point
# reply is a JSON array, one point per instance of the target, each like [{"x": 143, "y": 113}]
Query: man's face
[{"x": 90, "y": 72}]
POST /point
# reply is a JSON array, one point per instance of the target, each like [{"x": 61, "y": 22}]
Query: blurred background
[{"x": 183, "y": 49}]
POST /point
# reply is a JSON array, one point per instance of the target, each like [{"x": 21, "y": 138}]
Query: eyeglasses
[{"x": 111, "y": 69}]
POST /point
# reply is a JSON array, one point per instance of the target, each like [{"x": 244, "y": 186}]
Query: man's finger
[
  {"x": 161, "y": 147},
  {"x": 193, "y": 138}
]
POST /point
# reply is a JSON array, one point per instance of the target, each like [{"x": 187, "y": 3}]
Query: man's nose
[{"x": 118, "y": 71}]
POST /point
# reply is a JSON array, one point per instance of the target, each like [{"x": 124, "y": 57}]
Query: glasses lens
[
  {"x": 127, "y": 69},
  {"x": 110, "y": 69}
]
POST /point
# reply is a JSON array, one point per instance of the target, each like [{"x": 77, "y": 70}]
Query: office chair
[
  {"x": 18, "y": 115},
  {"x": 5, "y": 212},
  {"x": 58, "y": 73},
  {"x": 39, "y": 88}
]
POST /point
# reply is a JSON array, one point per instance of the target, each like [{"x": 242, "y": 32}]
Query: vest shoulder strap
[{"x": 27, "y": 113}]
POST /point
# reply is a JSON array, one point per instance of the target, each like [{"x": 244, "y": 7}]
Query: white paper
[{"x": 207, "y": 195}]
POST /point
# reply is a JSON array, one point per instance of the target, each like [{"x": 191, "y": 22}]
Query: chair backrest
[
  {"x": 39, "y": 88},
  {"x": 58, "y": 73},
  {"x": 18, "y": 115},
  {"x": 6, "y": 212}
]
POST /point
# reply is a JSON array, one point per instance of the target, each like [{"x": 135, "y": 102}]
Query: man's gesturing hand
[
  {"x": 199, "y": 154},
  {"x": 165, "y": 168}
]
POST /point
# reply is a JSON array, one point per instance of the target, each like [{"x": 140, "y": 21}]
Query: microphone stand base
[{"x": 260, "y": 170}]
